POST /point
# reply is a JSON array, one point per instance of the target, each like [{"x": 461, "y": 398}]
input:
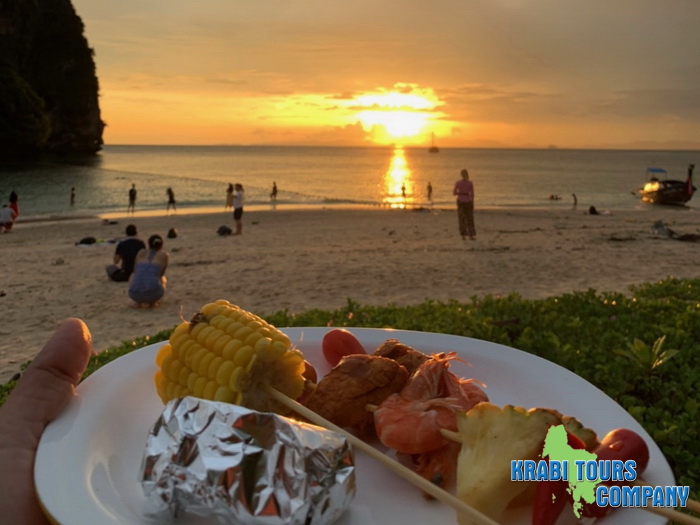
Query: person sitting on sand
[
  {"x": 147, "y": 285},
  {"x": 125, "y": 253}
]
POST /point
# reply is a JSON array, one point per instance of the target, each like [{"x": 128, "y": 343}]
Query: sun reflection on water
[{"x": 398, "y": 184}]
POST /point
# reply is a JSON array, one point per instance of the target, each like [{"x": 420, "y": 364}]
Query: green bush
[{"x": 641, "y": 348}]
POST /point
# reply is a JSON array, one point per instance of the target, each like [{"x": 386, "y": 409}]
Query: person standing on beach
[
  {"x": 14, "y": 205},
  {"x": 238, "y": 208},
  {"x": 464, "y": 190},
  {"x": 430, "y": 192},
  {"x": 125, "y": 253},
  {"x": 171, "y": 199},
  {"x": 273, "y": 193},
  {"x": 229, "y": 198},
  {"x": 132, "y": 199}
]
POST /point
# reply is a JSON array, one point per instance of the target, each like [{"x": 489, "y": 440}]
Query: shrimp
[
  {"x": 410, "y": 421},
  {"x": 466, "y": 392},
  {"x": 439, "y": 466}
]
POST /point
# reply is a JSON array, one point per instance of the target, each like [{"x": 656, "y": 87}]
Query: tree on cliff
[{"x": 48, "y": 85}]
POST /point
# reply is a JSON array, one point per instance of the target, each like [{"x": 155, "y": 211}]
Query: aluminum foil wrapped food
[{"x": 240, "y": 466}]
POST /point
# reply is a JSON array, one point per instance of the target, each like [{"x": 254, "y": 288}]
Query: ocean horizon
[{"x": 333, "y": 176}]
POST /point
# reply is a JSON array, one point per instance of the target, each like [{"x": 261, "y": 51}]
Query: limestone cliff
[{"x": 48, "y": 84}]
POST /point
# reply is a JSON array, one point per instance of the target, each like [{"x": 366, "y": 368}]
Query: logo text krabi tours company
[{"x": 587, "y": 477}]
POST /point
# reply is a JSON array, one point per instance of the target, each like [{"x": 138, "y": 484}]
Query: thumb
[{"x": 49, "y": 381}]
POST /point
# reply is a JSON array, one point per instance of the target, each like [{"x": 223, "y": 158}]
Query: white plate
[{"x": 88, "y": 460}]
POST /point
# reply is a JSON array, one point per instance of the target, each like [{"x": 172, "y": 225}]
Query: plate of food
[{"x": 88, "y": 461}]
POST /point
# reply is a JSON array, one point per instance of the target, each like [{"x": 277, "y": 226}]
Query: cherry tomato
[
  {"x": 624, "y": 444},
  {"x": 620, "y": 444},
  {"x": 339, "y": 343}
]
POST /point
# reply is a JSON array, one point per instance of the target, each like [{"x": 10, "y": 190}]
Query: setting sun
[
  {"x": 397, "y": 124},
  {"x": 398, "y": 115}
]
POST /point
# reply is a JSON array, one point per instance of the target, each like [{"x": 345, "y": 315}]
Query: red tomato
[
  {"x": 338, "y": 343},
  {"x": 624, "y": 444},
  {"x": 621, "y": 444}
]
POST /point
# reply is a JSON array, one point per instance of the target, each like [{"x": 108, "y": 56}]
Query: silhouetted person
[{"x": 132, "y": 199}]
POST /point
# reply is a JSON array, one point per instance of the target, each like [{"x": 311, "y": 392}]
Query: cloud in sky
[{"x": 508, "y": 72}]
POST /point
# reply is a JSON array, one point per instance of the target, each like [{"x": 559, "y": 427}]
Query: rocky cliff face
[{"x": 48, "y": 85}]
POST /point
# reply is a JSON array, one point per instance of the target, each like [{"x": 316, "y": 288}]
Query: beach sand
[{"x": 303, "y": 259}]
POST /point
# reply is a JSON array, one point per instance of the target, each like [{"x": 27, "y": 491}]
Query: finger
[{"x": 49, "y": 381}]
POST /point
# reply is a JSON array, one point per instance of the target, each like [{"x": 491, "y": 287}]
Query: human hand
[{"x": 38, "y": 398}]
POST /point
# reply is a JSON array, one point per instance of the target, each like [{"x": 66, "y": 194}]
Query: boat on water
[
  {"x": 433, "y": 148},
  {"x": 667, "y": 191}
]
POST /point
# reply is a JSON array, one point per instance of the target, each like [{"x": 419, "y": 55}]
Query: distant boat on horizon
[{"x": 433, "y": 148}]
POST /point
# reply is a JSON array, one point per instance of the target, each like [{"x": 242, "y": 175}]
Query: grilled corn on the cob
[{"x": 225, "y": 354}]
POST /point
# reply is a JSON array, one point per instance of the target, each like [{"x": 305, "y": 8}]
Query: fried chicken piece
[
  {"x": 343, "y": 394},
  {"x": 403, "y": 354}
]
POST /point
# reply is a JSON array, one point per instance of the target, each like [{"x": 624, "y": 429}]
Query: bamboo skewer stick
[
  {"x": 674, "y": 515},
  {"x": 671, "y": 514},
  {"x": 449, "y": 499}
]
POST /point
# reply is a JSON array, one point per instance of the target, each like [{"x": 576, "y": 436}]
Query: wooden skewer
[
  {"x": 449, "y": 499},
  {"x": 693, "y": 505},
  {"x": 671, "y": 514},
  {"x": 674, "y": 515}
]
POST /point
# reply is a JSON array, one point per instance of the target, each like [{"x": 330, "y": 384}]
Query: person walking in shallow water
[
  {"x": 464, "y": 190},
  {"x": 132, "y": 199},
  {"x": 171, "y": 199},
  {"x": 273, "y": 193},
  {"x": 430, "y": 192}
]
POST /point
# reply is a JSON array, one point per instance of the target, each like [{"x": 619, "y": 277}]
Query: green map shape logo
[{"x": 557, "y": 448}]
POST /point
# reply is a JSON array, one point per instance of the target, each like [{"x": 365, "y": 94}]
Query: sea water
[{"x": 330, "y": 176}]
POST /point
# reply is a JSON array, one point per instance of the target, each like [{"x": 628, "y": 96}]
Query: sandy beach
[{"x": 303, "y": 259}]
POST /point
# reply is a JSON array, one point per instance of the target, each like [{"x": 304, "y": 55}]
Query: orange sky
[{"x": 476, "y": 73}]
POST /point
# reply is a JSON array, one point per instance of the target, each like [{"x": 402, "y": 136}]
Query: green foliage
[
  {"x": 643, "y": 358},
  {"x": 642, "y": 349}
]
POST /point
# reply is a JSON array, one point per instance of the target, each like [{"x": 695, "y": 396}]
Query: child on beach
[{"x": 7, "y": 218}]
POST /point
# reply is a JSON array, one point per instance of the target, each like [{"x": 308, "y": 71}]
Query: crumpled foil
[{"x": 240, "y": 466}]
